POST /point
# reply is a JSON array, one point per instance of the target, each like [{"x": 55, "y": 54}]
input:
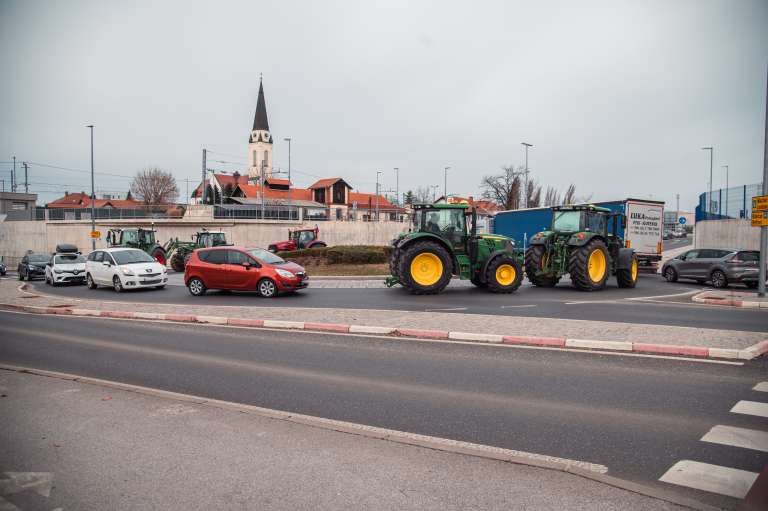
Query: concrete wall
[
  {"x": 732, "y": 233},
  {"x": 18, "y": 237}
]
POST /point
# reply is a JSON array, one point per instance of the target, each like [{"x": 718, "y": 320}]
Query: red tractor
[{"x": 298, "y": 239}]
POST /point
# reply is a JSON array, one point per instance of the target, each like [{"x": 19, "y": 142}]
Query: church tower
[{"x": 260, "y": 142}]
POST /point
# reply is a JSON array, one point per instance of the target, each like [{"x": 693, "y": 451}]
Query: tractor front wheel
[
  {"x": 588, "y": 266},
  {"x": 158, "y": 254},
  {"x": 178, "y": 261},
  {"x": 627, "y": 277},
  {"x": 425, "y": 268},
  {"x": 535, "y": 261},
  {"x": 503, "y": 275}
]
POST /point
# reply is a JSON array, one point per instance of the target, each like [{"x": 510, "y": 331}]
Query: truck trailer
[{"x": 644, "y": 230}]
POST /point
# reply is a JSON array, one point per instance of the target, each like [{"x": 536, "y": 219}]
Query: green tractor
[
  {"x": 182, "y": 250},
  {"x": 578, "y": 243},
  {"x": 137, "y": 237},
  {"x": 440, "y": 245}
]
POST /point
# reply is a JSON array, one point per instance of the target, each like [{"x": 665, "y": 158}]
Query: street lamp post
[
  {"x": 288, "y": 139},
  {"x": 726, "y": 189},
  {"x": 378, "y": 172},
  {"x": 711, "y": 156},
  {"x": 445, "y": 184},
  {"x": 397, "y": 186},
  {"x": 525, "y": 191},
  {"x": 93, "y": 195}
]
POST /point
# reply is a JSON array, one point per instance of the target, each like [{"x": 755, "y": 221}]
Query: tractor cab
[
  {"x": 303, "y": 238},
  {"x": 584, "y": 218},
  {"x": 451, "y": 222},
  {"x": 133, "y": 237},
  {"x": 207, "y": 239}
]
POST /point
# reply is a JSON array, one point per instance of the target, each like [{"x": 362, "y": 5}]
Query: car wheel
[
  {"x": 117, "y": 284},
  {"x": 719, "y": 279},
  {"x": 267, "y": 288},
  {"x": 196, "y": 287},
  {"x": 89, "y": 282},
  {"x": 670, "y": 274},
  {"x": 751, "y": 285}
]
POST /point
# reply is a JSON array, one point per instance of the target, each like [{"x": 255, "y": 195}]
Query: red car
[{"x": 242, "y": 269}]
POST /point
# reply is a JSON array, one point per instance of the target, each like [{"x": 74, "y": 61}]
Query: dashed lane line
[
  {"x": 712, "y": 478},
  {"x": 737, "y": 437},
  {"x": 762, "y": 386},
  {"x": 751, "y": 408}
]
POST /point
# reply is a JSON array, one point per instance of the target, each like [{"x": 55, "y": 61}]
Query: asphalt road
[
  {"x": 637, "y": 416},
  {"x": 676, "y": 243},
  {"x": 663, "y": 305}
]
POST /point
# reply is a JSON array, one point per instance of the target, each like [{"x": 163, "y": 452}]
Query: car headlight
[
  {"x": 58, "y": 271},
  {"x": 285, "y": 273},
  {"x": 127, "y": 271}
]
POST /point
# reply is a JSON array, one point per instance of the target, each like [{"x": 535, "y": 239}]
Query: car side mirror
[
  {"x": 247, "y": 265},
  {"x": 106, "y": 263}
]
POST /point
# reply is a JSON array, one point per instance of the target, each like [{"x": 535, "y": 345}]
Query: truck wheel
[
  {"x": 177, "y": 262},
  {"x": 535, "y": 260},
  {"x": 504, "y": 275},
  {"x": 588, "y": 266},
  {"x": 425, "y": 268},
  {"x": 158, "y": 254},
  {"x": 628, "y": 277}
]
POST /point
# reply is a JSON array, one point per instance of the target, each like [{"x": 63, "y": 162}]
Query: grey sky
[{"x": 617, "y": 97}]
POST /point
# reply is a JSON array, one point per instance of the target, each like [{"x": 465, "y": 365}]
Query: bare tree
[
  {"x": 504, "y": 189},
  {"x": 532, "y": 194},
  {"x": 551, "y": 197},
  {"x": 154, "y": 186},
  {"x": 570, "y": 195},
  {"x": 422, "y": 195}
]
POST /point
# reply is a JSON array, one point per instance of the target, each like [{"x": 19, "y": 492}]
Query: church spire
[{"x": 260, "y": 121}]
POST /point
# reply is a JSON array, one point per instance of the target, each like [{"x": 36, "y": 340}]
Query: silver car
[
  {"x": 716, "y": 265},
  {"x": 65, "y": 268}
]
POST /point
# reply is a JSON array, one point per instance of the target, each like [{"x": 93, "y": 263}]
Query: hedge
[{"x": 344, "y": 254}]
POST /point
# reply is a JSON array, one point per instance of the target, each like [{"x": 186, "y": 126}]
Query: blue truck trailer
[{"x": 644, "y": 231}]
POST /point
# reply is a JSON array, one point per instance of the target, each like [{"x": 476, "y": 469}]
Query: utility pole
[
  {"x": 377, "y": 194},
  {"x": 677, "y": 212},
  {"x": 93, "y": 195},
  {"x": 726, "y": 189},
  {"x": 445, "y": 184},
  {"x": 261, "y": 188},
  {"x": 711, "y": 156},
  {"x": 288, "y": 139},
  {"x": 26, "y": 181},
  {"x": 204, "y": 191},
  {"x": 397, "y": 186},
  {"x": 434, "y": 192},
  {"x": 13, "y": 176},
  {"x": 525, "y": 191},
  {"x": 764, "y": 229}
]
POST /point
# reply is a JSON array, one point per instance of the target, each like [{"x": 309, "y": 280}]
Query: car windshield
[
  {"x": 131, "y": 257},
  {"x": 568, "y": 221},
  {"x": 38, "y": 258},
  {"x": 68, "y": 259},
  {"x": 265, "y": 256}
]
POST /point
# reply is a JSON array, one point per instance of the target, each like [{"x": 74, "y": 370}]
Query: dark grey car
[{"x": 716, "y": 265}]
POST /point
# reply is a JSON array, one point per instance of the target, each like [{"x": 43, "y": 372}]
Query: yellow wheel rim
[
  {"x": 596, "y": 265},
  {"x": 506, "y": 274},
  {"x": 634, "y": 270},
  {"x": 426, "y": 269}
]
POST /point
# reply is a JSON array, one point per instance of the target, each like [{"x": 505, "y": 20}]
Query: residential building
[
  {"x": 17, "y": 206},
  {"x": 81, "y": 200}
]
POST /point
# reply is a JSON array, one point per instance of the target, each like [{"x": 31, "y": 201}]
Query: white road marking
[
  {"x": 738, "y": 437},
  {"x": 751, "y": 408},
  {"x": 762, "y": 386},
  {"x": 712, "y": 478},
  {"x": 516, "y": 306},
  {"x": 17, "y": 482},
  {"x": 448, "y": 309}
]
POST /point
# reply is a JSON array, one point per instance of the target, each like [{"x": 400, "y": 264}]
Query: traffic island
[{"x": 732, "y": 299}]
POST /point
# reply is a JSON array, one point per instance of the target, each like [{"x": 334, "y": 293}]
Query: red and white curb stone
[
  {"x": 710, "y": 299},
  {"x": 550, "y": 342}
]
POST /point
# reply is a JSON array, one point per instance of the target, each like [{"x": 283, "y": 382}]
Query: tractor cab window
[
  {"x": 595, "y": 222},
  {"x": 217, "y": 238},
  {"x": 147, "y": 237},
  {"x": 129, "y": 237},
  {"x": 446, "y": 223},
  {"x": 306, "y": 237},
  {"x": 567, "y": 221}
]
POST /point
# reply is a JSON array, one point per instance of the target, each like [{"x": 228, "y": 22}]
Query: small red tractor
[{"x": 298, "y": 239}]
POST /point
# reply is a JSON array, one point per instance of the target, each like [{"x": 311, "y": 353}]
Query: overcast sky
[{"x": 616, "y": 97}]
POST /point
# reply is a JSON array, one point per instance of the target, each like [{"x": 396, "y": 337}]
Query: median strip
[{"x": 749, "y": 353}]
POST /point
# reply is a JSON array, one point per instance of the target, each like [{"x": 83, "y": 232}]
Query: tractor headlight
[
  {"x": 127, "y": 271},
  {"x": 285, "y": 273}
]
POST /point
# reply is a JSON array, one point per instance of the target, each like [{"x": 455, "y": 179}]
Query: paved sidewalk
[
  {"x": 102, "y": 448},
  {"x": 486, "y": 324}
]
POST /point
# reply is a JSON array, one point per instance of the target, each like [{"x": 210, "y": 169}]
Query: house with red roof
[{"x": 80, "y": 200}]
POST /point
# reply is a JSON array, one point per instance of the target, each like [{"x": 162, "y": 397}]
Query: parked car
[
  {"x": 66, "y": 266},
  {"x": 32, "y": 265},
  {"x": 718, "y": 266},
  {"x": 242, "y": 269},
  {"x": 124, "y": 268}
]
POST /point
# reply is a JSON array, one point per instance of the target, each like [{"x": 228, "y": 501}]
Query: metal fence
[
  {"x": 270, "y": 212},
  {"x": 106, "y": 213},
  {"x": 734, "y": 202}
]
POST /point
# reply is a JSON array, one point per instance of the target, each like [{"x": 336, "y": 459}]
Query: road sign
[
  {"x": 681, "y": 220},
  {"x": 759, "y": 218},
  {"x": 760, "y": 202},
  {"x": 95, "y": 234}
]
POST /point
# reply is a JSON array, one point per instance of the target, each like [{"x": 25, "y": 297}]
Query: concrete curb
[
  {"x": 706, "y": 298},
  {"x": 748, "y": 353}
]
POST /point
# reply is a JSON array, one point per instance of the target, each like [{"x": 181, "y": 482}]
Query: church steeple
[
  {"x": 260, "y": 121},
  {"x": 260, "y": 141}
]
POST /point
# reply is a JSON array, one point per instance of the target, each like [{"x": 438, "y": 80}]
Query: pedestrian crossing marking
[
  {"x": 738, "y": 437},
  {"x": 762, "y": 386},
  {"x": 751, "y": 408},
  {"x": 712, "y": 478}
]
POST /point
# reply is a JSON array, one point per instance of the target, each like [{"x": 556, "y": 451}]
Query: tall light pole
[
  {"x": 445, "y": 183},
  {"x": 726, "y": 189},
  {"x": 397, "y": 185},
  {"x": 525, "y": 191},
  {"x": 93, "y": 195},
  {"x": 711, "y": 156},
  {"x": 288, "y": 139},
  {"x": 377, "y": 194},
  {"x": 13, "y": 176},
  {"x": 764, "y": 230},
  {"x": 434, "y": 192}
]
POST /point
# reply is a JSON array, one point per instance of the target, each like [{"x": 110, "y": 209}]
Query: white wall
[{"x": 732, "y": 233}]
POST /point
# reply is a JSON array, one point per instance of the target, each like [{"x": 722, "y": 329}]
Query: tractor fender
[
  {"x": 317, "y": 242},
  {"x": 624, "y": 261},
  {"x": 494, "y": 255},
  {"x": 431, "y": 237},
  {"x": 582, "y": 238},
  {"x": 540, "y": 238}
]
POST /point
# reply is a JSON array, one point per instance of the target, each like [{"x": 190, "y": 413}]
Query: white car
[
  {"x": 124, "y": 268},
  {"x": 65, "y": 268}
]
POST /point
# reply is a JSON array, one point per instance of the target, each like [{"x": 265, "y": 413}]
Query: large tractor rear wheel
[
  {"x": 178, "y": 261},
  {"x": 588, "y": 266},
  {"x": 424, "y": 268},
  {"x": 394, "y": 263},
  {"x": 158, "y": 254},
  {"x": 627, "y": 277},
  {"x": 503, "y": 275},
  {"x": 535, "y": 261}
]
